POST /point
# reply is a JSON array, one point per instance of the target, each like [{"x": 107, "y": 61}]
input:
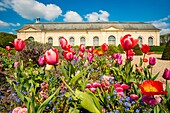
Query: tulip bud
[
  {"x": 63, "y": 43},
  {"x": 145, "y": 48},
  {"x": 139, "y": 69},
  {"x": 152, "y": 61},
  {"x": 166, "y": 74},
  {"x": 16, "y": 64},
  {"x": 8, "y": 48}
]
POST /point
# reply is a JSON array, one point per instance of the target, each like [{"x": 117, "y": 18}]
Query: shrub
[
  {"x": 33, "y": 50},
  {"x": 166, "y": 52},
  {"x": 137, "y": 50},
  {"x": 112, "y": 49},
  {"x": 5, "y": 52},
  {"x": 120, "y": 48},
  {"x": 5, "y": 38}
]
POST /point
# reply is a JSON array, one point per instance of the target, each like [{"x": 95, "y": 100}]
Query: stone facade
[{"x": 94, "y": 33}]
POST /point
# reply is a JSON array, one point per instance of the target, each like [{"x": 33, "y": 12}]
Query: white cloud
[
  {"x": 72, "y": 16},
  {"x": 102, "y": 16},
  {"x": 162, "y": 24},
  {"x": 3, "y": 24},
  {"x": 11, "y": 32},
  {"x": 2, "y": 9},
  {"x": 30, "y": 9}
]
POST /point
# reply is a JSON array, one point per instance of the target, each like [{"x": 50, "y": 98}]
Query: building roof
[{"x": 91, "y": 25}]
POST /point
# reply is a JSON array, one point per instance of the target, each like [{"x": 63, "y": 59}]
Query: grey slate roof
[{"x": 91, "y": 25}]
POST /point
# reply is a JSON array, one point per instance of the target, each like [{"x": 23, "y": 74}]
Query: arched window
[
  {"x": 112, "y": 40},
  {"x": 31, "y": 38},
  {"x": 50, "y": 40},
  {"x": 140, "y": 41},
  {"x": 82, "y": 41},
  {"x": 150, "y": 41},
  {"x": 95, "y": 41},
  {"x": 71, "y": 41}
]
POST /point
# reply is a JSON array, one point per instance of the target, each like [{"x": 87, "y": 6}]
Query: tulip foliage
[{"x": 87, "y": 80}]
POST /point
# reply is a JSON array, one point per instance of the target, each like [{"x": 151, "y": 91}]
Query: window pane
[
  {"x": 112, "y": 40},
  {"x": 82, "y": 41},
  {"x": 72, "y": 41},
  {"x": 150, "y": 41},
  {"x": 140, "y": 41},
  {"x": 50, "y": 40},
  {"x": 96, "y": 41}
]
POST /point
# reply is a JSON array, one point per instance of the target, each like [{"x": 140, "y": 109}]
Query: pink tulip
[
  {"x": 92, "y": 89},
  {"x": 51, "y": 56},
  {"x": 119, "y": 61},
  {"x": 125, "y": 86},
  {"x": 63, "y": 43},
  {"x": 81, "y": 54},
  {"x": 134, "y": 97},
  {"x": 82, "y": 47},
  {"x": 16, "y": 110},
  {"x": 139, "y": 69},
  {"x": 16, "y": 64},
  {"x": 95, "y": 85},
  {"x": 116, "y": 85},
  {"x": 89, "y": 57},
  {"x": 41, "y": 60},
  {"x": 89, "y": 85},
  {"x": 75, "y": 58},
  {"x": 117, "y": 56},
  {"x": 120, "y": 94},
  {"x": 119, "y": 89},
  {"x": 19, "y": 44},
  {"x": 23, "y": 110},
  {"x": 128, "y": 42}
]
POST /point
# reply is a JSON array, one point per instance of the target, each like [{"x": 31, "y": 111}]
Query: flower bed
[{"x": 85, "y": 81}]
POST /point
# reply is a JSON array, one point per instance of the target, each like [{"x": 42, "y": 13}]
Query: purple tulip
[
  {"x": 117, "y": 56},
  {"x": 75, "y": 58},
  {"x": 152, "y": 61},
  {"x": 166, "y": 74},
  {"x": 41, "y": 60},
  {"x": 150, "y": 100},
  {"x": 89, "y": 58},
  {"x": 119, "y": 61}
]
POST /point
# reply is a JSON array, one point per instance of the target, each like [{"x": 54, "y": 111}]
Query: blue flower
[
  {"x": 137, "y": 110},
  {"x": 54, "y": 109},
  {"x": 47, "y": 107},
  {"x": 108, "y": 97},
  {"x": 117, "y": 111}
]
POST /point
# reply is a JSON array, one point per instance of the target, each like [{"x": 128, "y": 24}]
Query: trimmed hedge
[
  {"x": 157, "y": 48},
  {"x": 166, "y": 52},
  {"x": 5, "y": 38},
  {"x": 137, "y": 50}
]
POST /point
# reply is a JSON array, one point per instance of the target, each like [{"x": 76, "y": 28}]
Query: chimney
[{"x": 37, "y": 20}]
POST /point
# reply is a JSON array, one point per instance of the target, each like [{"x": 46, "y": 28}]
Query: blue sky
[{"x": 15, "y": 13}]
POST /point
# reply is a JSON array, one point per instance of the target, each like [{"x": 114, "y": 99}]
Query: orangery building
[{"x": 89, "y": 33}]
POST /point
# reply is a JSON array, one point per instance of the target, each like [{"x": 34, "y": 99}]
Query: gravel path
[{"x": 160, "y": 64}]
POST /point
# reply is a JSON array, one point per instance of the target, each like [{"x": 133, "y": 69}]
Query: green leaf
[
  {"x": 64, "y": 71},
  {"x": 43, "y": 105},
  {"x": 73, "y": 110},
  {"x": 153, "y": 78},
  {"x": 88, "y": 101},
  {"x": 76, "y": 77}
]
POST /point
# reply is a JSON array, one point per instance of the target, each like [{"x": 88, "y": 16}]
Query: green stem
[{"x": 65, "y": 83}]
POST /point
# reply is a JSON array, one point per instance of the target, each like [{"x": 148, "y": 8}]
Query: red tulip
[
  {"x": 119, "y": 89},
  {"x": 96, "y": 85},
  {"x": 134, "y": 97},
  {"x": 68, "y": 55},
  {"x": 145, "y": 48},
  {"x": 81, "y": 54},
  {"x": 82, "y": 47},
  {"x": 145, "y": 60},
  {"x": 128, "y": 42},
  {"x": 131, "y": 53},
  {"x": 125, "y": 86},
  {"x": 104, "y": 47},
  {"x": 151, "y": 87},
  {"x": 19, "y": 44},
  {"x": 88, "y": 85},
  {"x": 8, "y": 48},
  {"x": 90, "y": 50},
  {"x": 51, "y": 56},
  {"x": 116, "y": 85},
  {"x": 63, "y": 43}
]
